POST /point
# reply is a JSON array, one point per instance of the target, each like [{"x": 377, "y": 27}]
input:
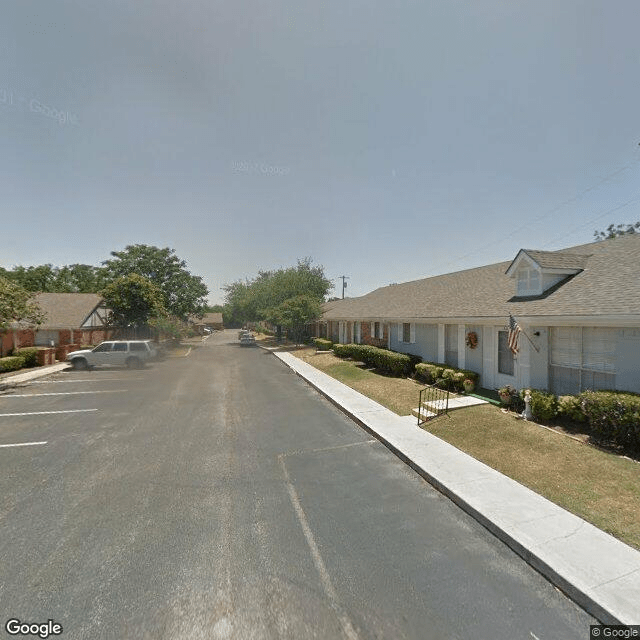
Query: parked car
[
  {"x": 246, "y": 338},
  {"x": 130, "y": 353}
]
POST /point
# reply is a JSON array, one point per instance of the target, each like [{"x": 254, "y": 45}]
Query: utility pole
[{"x": 344, "y": 284}]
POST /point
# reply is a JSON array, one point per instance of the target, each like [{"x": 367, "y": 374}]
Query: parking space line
[
  {"x": 71, "y": 380},
  {"x": 21, "y": 444},
  {"x": 60, "y": 393},
  {"x": 44, "y": 413}
]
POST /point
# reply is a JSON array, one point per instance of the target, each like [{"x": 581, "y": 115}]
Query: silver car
[{"x": 130, "y": 353}]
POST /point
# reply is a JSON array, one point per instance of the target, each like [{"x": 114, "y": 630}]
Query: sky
[{"x": 388, "y": 141}]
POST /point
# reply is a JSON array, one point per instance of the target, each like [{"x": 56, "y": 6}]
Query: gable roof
[
  {"x": 609, "y": 284},
  {"x": 67, "y": 310}
]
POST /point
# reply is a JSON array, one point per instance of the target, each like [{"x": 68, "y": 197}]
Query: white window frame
[
  {"x": 529, "y": 281},
  {"x": 412, "y": 333}
]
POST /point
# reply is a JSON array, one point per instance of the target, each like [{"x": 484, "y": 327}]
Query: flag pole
[
  {"x": 530, "y": 340},
  {"x": 512, "y": 319}
]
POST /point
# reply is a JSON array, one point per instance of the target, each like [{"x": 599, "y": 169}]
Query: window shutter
[
  {"x": 413, "y": 333},
  {"x": 399, "y": 331},
  {"x": 372, "y": 332}
]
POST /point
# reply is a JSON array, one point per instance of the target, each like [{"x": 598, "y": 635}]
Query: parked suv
[{"x": 131, "y": 353}]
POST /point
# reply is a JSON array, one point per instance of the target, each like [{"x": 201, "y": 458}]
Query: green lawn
[{"x": 598, "y": 486}]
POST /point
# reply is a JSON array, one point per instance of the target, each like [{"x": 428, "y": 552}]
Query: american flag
[{"x": 514, "y": 332}]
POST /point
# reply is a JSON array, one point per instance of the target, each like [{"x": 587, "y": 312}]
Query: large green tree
[
  {"x": 252, "y": 300},
  {"x": 74, "y": 278},
  {"x": 293, "y": 314},
  {"x": 133, "y": 301},
  {"x": 183, "y": 293}
]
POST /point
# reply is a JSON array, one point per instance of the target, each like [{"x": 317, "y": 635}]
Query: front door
[{"x": 506, "y": 363}]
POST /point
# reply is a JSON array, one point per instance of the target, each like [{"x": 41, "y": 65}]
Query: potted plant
[
  {"x": 506, "y": 393},
  {"x": 469, "y": 385}
]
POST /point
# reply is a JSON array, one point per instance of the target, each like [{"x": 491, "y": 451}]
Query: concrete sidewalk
[
  {"x": 7, "y": 380},
  {"x": 597, "y": 571}
]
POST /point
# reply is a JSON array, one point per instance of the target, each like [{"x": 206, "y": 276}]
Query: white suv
[{"x": 131, "y": 353}]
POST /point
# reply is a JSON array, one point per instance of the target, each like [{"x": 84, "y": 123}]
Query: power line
[{"x": 549, "y": 213}]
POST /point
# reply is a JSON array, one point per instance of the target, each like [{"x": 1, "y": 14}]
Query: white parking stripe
[
  {"x": 21, "y": 444},
  {"x": 61, "y": 393},
  {"x": 44, "y": 413},
  {"x": 71, "y": 380}
]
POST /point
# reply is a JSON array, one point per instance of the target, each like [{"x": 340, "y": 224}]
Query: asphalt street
[{"x": 218, "y": 496}]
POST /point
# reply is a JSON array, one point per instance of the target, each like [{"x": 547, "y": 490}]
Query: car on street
[{"x": 130, "y": 353}]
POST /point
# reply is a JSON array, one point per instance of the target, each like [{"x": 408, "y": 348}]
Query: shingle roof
[
  {"x": 66, "y": 310},
  {"x": 608, "y": 284},
  {"x": 558, "y": 260}
]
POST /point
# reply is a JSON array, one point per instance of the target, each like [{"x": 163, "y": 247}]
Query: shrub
[
  {"x": 387, "y": 361},
  {"x": 614, "y": 417},
  {"x": 544, "y": 405},
  {"x": 29, "y": 355},
  {"x": 570, "y": 408},
  {"x": 322, "y": 344},
  {"x": 444, "y": 376},
  {"x": 12, "y": 363}
]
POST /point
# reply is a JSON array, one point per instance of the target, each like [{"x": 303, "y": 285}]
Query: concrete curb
[
  {"x": 8, "y": 381},
  {"x": 609, "y": 600}
]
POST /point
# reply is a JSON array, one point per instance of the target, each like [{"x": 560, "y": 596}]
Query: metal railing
[{"x": 433, "y": 402}]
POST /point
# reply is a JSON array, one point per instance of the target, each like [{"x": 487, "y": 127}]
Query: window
[
  {"x": 505, "y": 356},
  {"x": 582, "y": 358},
  {"x": 105, "y": 346},
  {"x": 138, "y": 346},
  {"x": 120, "y": 346},
  {"x": 406, "y": 332},
  {"x": 376, "y": 330},
  {"x": 528, "y": 281}
]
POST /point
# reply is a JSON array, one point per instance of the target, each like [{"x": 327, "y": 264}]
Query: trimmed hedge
[
  {"x": 444, "y": 376},
  {"x": 11, "y": 363},
  {"x": 29, "y": 355},
  {"x": 396, "y": 364},
  {"x": 322, "y": 344},
  {"x": 614, "y": 417}
]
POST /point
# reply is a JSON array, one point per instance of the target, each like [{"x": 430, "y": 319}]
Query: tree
[
  {"x": 254, "y": 300},
  {"x": 133, "y": 301},
  {"x": 295, "y": 313},
  {"x": 613, "y": 231},
  {"x": 17, "y": 305},
  {"x": 183, "y": 293},
  {"x": 75, "y": 278}
]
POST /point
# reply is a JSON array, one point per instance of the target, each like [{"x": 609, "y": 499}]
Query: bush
[
  {"x": 614, "y": 417},
  {"x": 444, "y": 376},
  {"x": 322, "y": 344},
  {"x": 29, "y": 355},
  {"x": 544, "y": 405},
  {"x": 570, "y": 408},
  {"x": 12, "y": 363},
  {"x": 396, "y": 364}
]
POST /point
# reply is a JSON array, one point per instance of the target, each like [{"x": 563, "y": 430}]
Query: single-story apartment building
[
  {"x": 211, "y": 321},
  {"x": 70, "y": 318},
  {"x": 578, "y": 310}
]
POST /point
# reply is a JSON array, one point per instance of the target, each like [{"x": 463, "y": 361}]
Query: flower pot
[{"x": 505, "y": 398}]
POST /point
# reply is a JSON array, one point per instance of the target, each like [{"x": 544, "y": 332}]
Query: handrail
[{"x": 436, "y": 398}]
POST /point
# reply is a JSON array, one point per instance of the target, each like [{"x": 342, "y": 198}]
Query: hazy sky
[{"x": 387, "y": 140}]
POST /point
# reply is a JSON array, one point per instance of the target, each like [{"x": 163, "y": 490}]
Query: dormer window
[
  {"x": 536, "y": 272},
  {"x": 528, "y": 281}
]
